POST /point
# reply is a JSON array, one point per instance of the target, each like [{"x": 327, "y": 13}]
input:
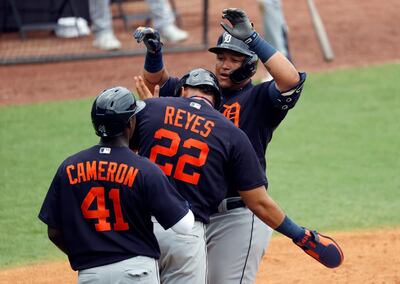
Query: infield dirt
[{"x": 369, "y": 257}]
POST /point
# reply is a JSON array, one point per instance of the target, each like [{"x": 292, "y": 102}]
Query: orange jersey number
[
  {"x": 172, "y": 150},
  {"x": 102, "y": 213}
]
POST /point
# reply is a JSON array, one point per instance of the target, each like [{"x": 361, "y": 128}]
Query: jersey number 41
[{"x": 102, "y": 213}]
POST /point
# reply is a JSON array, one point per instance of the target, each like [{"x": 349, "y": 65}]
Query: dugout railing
[{"x": 44, "y": 46}]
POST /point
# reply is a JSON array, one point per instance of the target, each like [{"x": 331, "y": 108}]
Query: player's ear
[
  {"x": 184, "y": 92},
  {"x": 131, "y": 126}
]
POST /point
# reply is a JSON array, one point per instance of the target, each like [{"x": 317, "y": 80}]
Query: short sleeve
[
  {"x": 286, "y": 99},
  {"x": 168, "y": 89},
  {"x": 275, "y": 105},
  {"x": 166, "y": 204},
  {"x": 245, "y": 170},
  {"x": 50, "y": 211}
]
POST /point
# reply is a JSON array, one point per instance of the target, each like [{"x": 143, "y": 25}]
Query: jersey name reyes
[
  {"x": 187, "y": 120},
  {"x": 101, "y": 171}
]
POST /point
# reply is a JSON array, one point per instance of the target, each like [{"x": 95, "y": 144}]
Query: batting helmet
[
  {"x": 112, "y": 110},
  {"x": 249, "y": 66},
  {"x": 204, "y": 80}
]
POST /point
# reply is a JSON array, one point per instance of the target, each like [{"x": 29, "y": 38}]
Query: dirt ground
[
  {"x": 371, "y": 257},
  {"x": 361, "y": 33}
]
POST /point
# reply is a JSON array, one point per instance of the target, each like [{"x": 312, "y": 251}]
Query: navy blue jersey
[
  {"x": 204, "y": 154},
  {"x": 253, "y": 109},
  {"x": 102, "y": 200}
]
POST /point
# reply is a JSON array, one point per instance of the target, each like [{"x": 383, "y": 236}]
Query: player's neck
[
  {"x": 204, "y": 99},
  {"x": 119, "y": 141}
]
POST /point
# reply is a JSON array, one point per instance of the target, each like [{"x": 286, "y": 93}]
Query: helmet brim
[
  {"x": 229, "y": 47},
  {"x": 140, "y": 105}
]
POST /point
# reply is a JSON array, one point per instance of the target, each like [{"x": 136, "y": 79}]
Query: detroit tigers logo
[
  {"x": 227, "y": 38},
  {"x": 232, "y": 112}
]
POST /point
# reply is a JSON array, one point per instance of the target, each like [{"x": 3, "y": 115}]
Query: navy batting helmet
[
  {"x": 112, "y": 110},
  {"x": 249, "y": 66},
  {"x": 204, "y": 80}
]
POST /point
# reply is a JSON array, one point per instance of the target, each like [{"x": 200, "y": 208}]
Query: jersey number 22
[{"x": 172, "y": 150}]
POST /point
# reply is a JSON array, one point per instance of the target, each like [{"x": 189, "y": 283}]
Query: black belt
[
  {"x": 233, "y": 204},
  {"x": 229, "y": 203}
]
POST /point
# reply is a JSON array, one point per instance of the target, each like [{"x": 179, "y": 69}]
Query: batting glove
[
  {"x": 150, "y": 37},
  {"x": 324, "y": 249},
  {"x": 241, "y": 28}
]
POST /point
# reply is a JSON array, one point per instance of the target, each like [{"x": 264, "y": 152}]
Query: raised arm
[
  {"x": 154, "y": 72},
  {"x": 281, "y": 69}
]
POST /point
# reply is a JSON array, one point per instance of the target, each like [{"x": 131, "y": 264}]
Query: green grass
[
  {"x": 34, "y": 141},
  {"x": 333, "y": 163}
]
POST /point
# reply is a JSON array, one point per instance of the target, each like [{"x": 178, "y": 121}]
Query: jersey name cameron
[
  {"x": 102, "y": 171},
  {"x": 184, "y": 119}
]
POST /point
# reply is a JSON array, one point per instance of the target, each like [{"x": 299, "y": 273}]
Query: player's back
[
  {"x": 107, "y": 196},
  {"x": 202, "y": 152}
]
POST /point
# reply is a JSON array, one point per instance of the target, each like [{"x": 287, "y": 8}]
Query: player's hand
[
  {"x": 241, "y": 28},
  {"x": 150, "y": 37},
  {"x": 143, "y": 91},
  {"x": 322, "y": 248}
]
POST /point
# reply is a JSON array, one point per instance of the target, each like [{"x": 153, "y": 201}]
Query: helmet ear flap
[
  {"x": 246, "y": 71},
  {"x": 181, "y": 83}
]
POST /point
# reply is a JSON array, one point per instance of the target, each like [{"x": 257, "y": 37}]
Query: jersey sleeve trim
[
  {"x": 287, "y": 100},
  {"x": 252, "y": 186}
]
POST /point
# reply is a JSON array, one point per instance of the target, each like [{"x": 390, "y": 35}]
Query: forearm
[
  {"x": 153, "y": 79},
  {"x": 281, "y": 69},
  {"x": 284, "y": 73},
  {"x": 323, "y": 248},
  {"x": 263, "y": 206},
  {"x": 154, "y": 72},
  {"x": 269, "y": 212}
]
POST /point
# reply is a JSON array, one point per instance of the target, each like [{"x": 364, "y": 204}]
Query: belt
[
  {"x": 230, "y": 204},
  {"x": 233, "y": 204}
]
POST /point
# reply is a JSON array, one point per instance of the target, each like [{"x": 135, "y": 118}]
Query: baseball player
[
  {"x": 235, "y": 233},
  {"x": 208, "y": 158},
  {"x": 99, "y": 206},
  {"x": 203, "y": 154}
]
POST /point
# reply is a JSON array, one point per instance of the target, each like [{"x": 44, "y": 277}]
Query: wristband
[
  {"x": 290, "y": 229},
  {"x": 262, "y": 48},
  {"x": 153, "y": 62}
]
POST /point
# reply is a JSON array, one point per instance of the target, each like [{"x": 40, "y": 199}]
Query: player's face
[{"x": 227, "y": 62}]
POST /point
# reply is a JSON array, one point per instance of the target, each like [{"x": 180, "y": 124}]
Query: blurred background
[{"x": 360, "y": 33}]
